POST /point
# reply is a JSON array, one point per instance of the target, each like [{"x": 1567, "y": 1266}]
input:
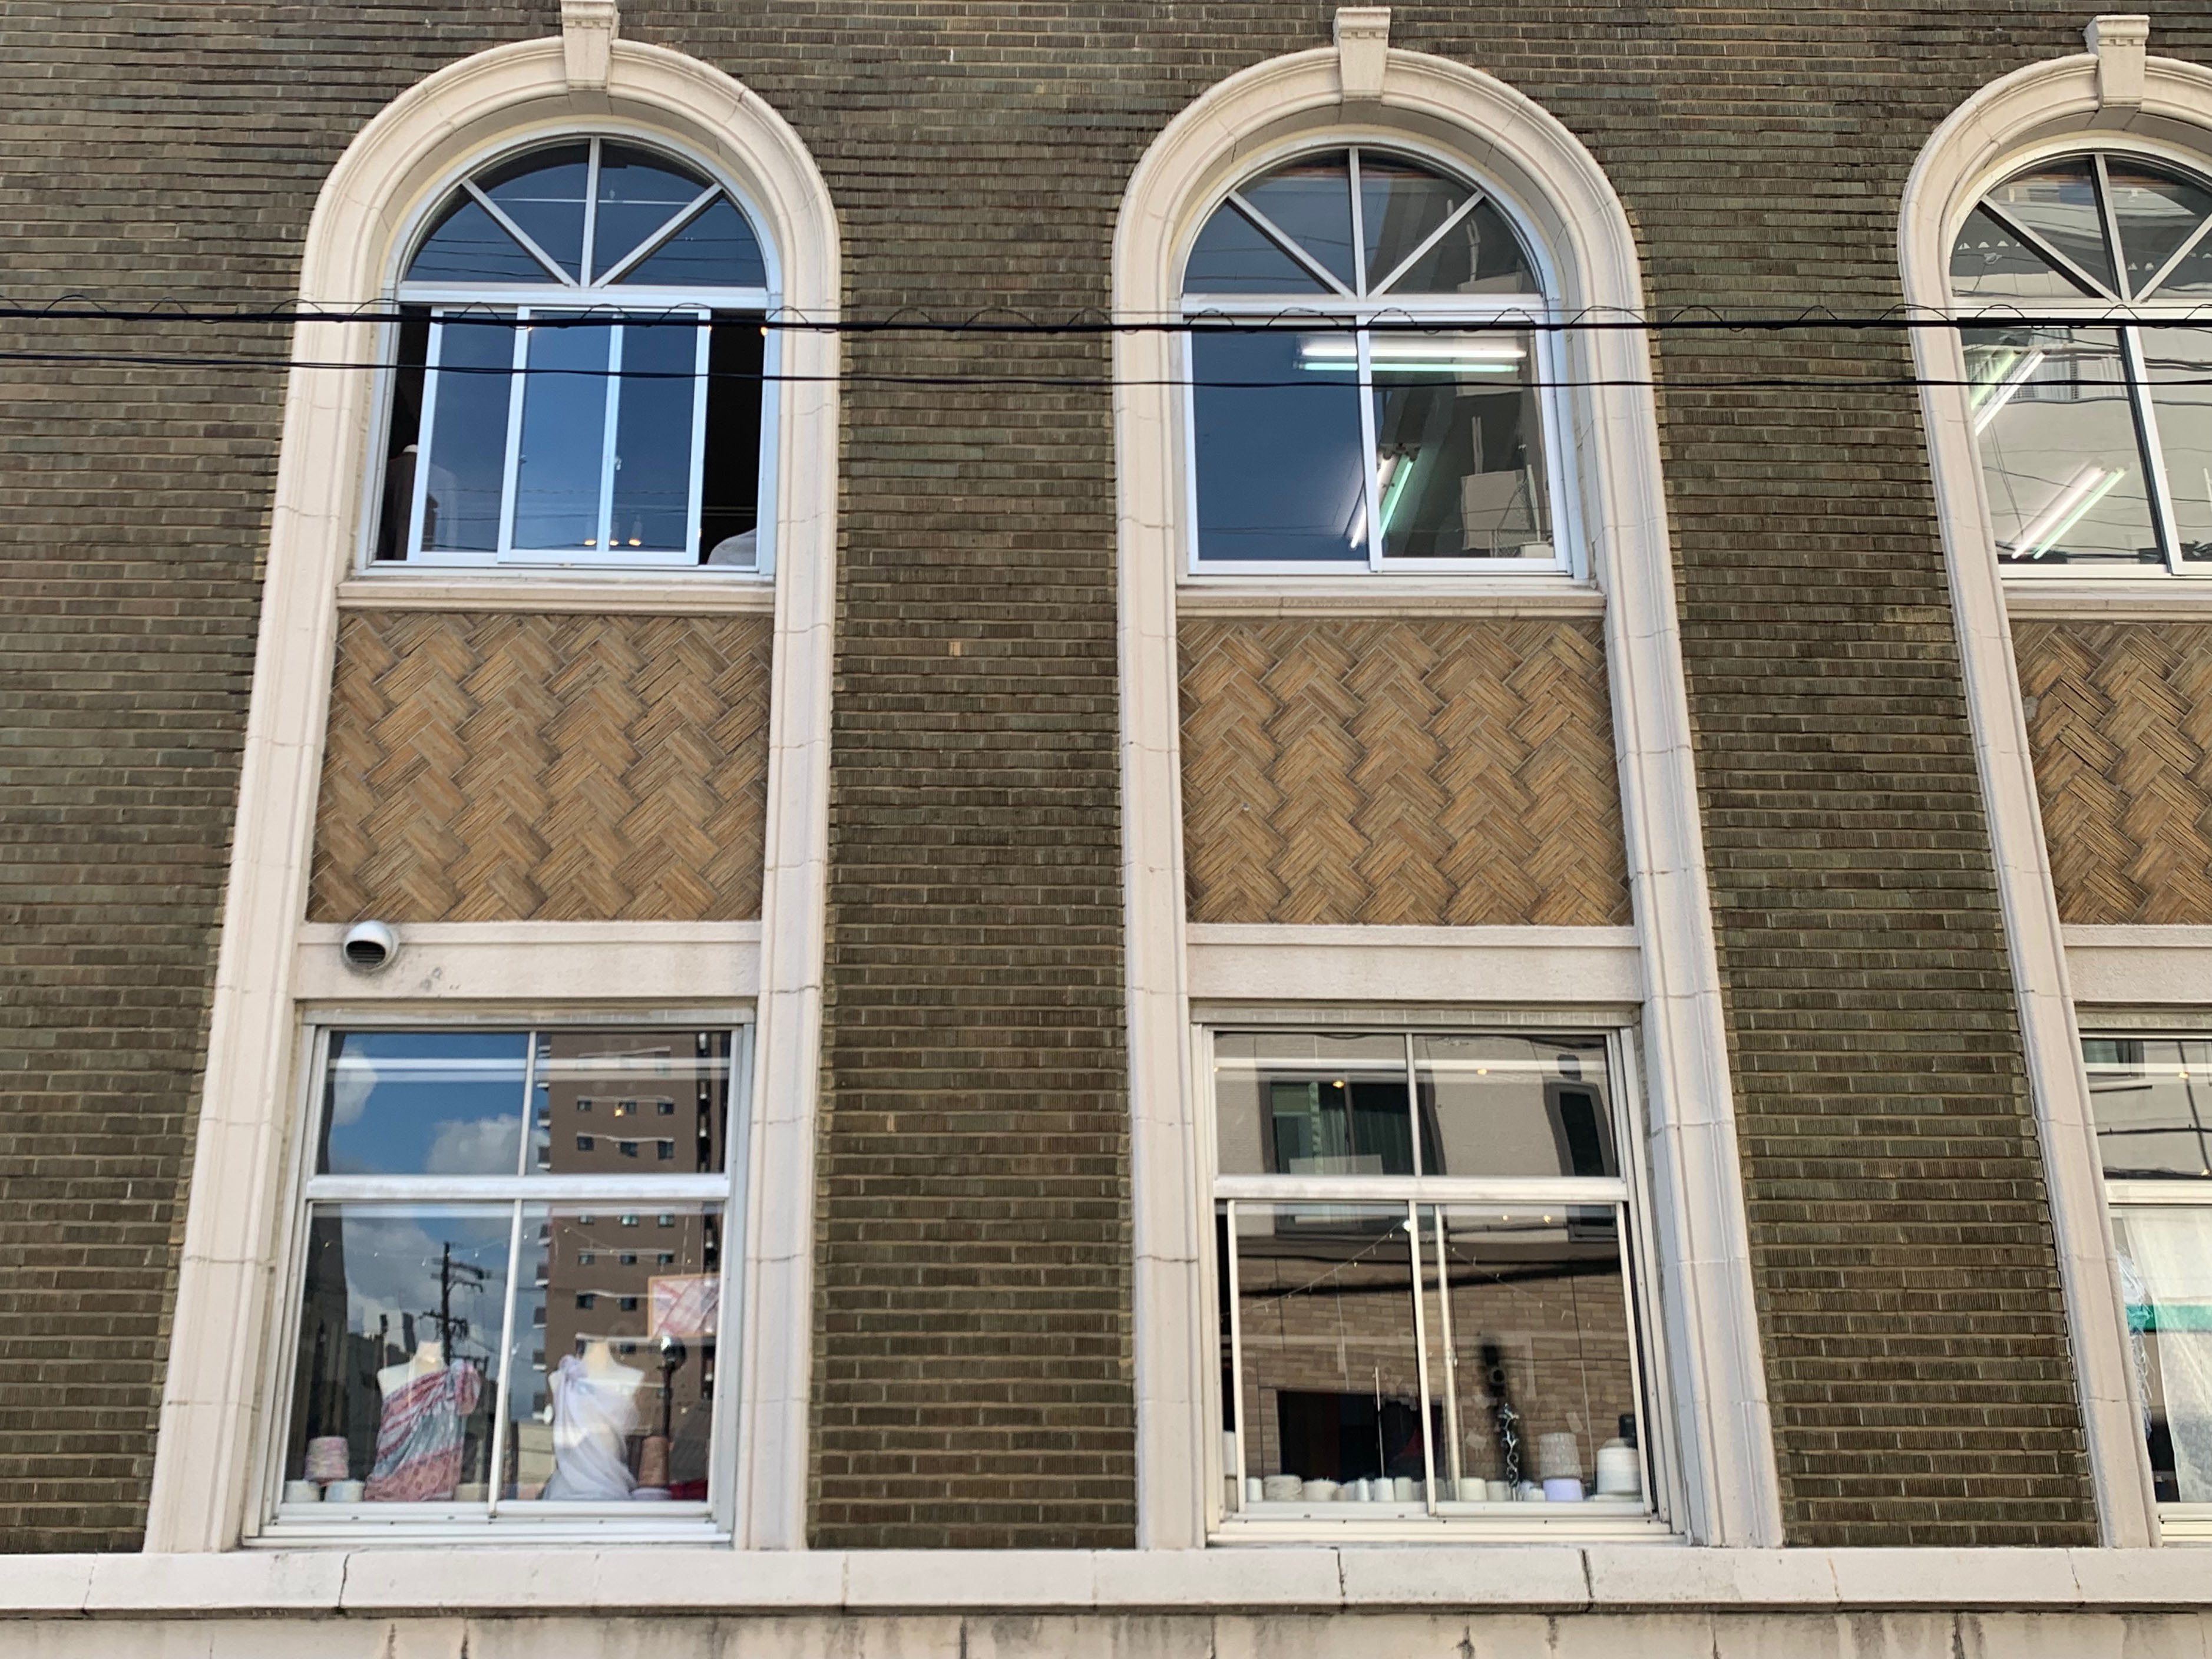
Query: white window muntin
[
  {"x": 1628, "y": 1195},
  {"x": 604, "y": 554},
  {"x": 279, "y": 1523},
  {"x": 1349, "y": 310},
  {"x": 2099, "y": 309}
]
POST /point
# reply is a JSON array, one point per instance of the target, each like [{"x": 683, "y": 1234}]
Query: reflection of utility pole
[{"x": 472, "y": 1277}]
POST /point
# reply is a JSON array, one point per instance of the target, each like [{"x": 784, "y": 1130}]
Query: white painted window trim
[
  {"x": 1709, "y": 1342},
  {"x": 2064, "y": 101},
  {"x": 214, "y": 1396}
]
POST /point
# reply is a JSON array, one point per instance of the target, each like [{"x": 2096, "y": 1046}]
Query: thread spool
[
  {"x": 328, "y": 1458},
  {"x": 302, "y": 1492},
  {"x": 1563, "y": 1489},
  {"x": 1281, "y": 1488},
  {"x": 1319, "y": 1491},
  {"x": 653, "y": 1461},
  {"x": 1558, "y": 1457},
  {"x": 1619, "y": 1470},
  {"x": 344, "y": 1492}
]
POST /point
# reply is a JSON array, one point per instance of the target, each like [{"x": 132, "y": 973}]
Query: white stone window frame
[
  {"x": 271, "y": 965},
  {"x": 1351, "y": 312},
  {"x": 275, "y": 1525},
  {"x": 1524, "y": 1523},
  {"x": 464, "y": 300},
  {"x": 2115, "y": 93},
  {"x": 1707, "y": 1339},
  {"x": 2098, "y": 311}
]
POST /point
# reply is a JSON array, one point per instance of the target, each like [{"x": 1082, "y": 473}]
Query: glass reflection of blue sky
[
  {"x": 1281, "y": 469},
  {"x": 423, "y": 1103}
]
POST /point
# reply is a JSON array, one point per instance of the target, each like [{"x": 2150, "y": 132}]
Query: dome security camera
[{"x": 368, "y": 946}]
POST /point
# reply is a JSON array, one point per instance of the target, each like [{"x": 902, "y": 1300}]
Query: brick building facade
[{"x": 975, "y": 802}]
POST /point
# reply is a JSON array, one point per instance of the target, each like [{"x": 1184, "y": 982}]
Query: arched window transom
[
  {"x": 2095, "y": 437},
  {"x": 1362, "y": 399},
  {"x": 580, "y": 363}
]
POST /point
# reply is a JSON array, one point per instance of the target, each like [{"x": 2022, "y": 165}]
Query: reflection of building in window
[
  {"x": 444, "y": 1326},
  {"x": 2095, "y": 441}
]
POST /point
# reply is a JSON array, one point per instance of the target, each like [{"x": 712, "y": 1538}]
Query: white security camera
[{"x": 368, "y": 946}]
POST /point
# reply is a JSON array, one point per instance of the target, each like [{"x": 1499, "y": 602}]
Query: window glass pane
[
  {"x": 729, "y": 487},
  {"x": 1479, "y": 255},
  {"x": 2153, "y": 1101},
  {"x": 717, "y": 249},
  {"x": 2192, "y": 278},
  {"x": 1331, "y": 1407},
  {"x": 468, "y": 244},
  {"x": 1514, "y": 1106},
  {"x": 2179, "y": 364},
  {"x": 1235, "y": 256},
  {"x": 1461, "y": 452},
  {"x": 468, "y": 442},
  {"x": 652, "y": 437},
  {"x": 1531, "y": 1329},
  {"x": 615, "y": 1351},
  {"x": 1401, "y": 205},
  {"x": 1281, "y": 472},
  {"x": 638, "y": 194},
  {"x": 1310, "y": 201},
  {"x": 564, "y": 411},
  {"x": 401, "y": 1313},
  {"x": 543, "y": 193},
  {"x": 1310, "y": 1103},
  {"x": 2060, "y": 457},
  {"x": 2059, "y": 203},
  {"x": 1988, "y": 262},
  {"x": 2155, "y": 211},
  {"x": 630, "y": 1103},
  {"x": 2165, "y": 1277},
  {"x": 423, "y": 1103}
]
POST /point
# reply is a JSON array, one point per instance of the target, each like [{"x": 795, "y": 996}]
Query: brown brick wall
[
  {"x": 1455, "y": 773},
  {"x": 973, "y": 1312},
  {"x": 2119, "y": 719},
  {"x": 520, "y": 768}
]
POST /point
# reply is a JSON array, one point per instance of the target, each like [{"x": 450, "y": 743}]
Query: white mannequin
[
  {"x": 594, "y": 1409},
  {"x": 429, "y": 1356}
]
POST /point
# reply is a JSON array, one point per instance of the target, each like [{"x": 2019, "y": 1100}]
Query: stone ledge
[{"x": 1518, "y": 1578}]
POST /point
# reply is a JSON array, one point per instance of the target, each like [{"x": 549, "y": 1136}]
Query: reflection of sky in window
[
  {"x": 394, "y": 1262},
  {"x": 1281, "y": 469},
  {"x": 424, "y": 1103}
]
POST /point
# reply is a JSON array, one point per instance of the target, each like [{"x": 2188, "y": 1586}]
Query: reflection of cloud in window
[
  {"x": 353, "y": 1080},
  {"x": 391, "y": 1274},
  {"x": 472, "y": 1146}
]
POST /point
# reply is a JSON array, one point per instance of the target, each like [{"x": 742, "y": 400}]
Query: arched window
[
  {"x": 2095, "y": 437},
  {"x": 579, "y": 372},
  {"x": 1360, "y": 399}
]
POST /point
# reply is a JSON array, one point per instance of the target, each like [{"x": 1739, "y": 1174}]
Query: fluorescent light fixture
[
  {"x": 1453, "y": 355},
  {"x": 2010, "y": 375},
  {"x": 2066, "y": 509}
]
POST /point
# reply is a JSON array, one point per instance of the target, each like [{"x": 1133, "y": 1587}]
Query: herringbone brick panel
[
  {"x": 1449, "y": 773},
  {"x": 2120, "y": 725},
  {"x": 549, "y": 768}
]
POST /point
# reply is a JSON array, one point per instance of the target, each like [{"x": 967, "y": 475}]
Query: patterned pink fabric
[{"x": 418, "y": 1442}]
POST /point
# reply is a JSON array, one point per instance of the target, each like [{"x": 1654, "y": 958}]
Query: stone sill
[{"x": 1529, "y": 1579}]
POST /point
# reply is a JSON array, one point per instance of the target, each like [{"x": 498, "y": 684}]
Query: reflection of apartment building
[{"x": 1197, "y": 829}]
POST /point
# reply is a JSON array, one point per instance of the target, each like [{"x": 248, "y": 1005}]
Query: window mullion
[
  {"x": 425, "y": 431},
  {"x": 1358, "y": 226},
  {"x": 2110, "y": 227},
  {"x": 505, "y": 1388},
  {"x": 2139, "y": 399},
  {"x": 702, "y": 364},
  {"x": 609, "y": 460},
  {"x": 520, "y": 364},
  {"x": 1235, "y": 1342},
  {"x": 1450, "y": 1358},
  {"x": 584, "y": 271},
  {"x": 1420, "y": 1359},
  {"x": 1367, "y": 438}
]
